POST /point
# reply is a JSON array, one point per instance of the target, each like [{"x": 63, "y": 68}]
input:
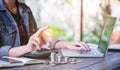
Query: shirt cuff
[
  {"x": 53, "y": 43},
  {"x": 4, "y": 50}
]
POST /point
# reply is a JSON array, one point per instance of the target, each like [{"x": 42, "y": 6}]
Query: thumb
[{"x": 45, "y": 47}]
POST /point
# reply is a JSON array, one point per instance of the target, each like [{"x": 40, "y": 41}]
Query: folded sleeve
[
  {"x": 53, "y": 43},
  {"x": 4, "y": 50}
]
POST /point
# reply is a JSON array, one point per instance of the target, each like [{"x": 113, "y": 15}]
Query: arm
[
  {"x": 72, "y": 45},
  {"x": 18, "y": 51},
  {"x": 34, "y": 43},
  {"x": 56, "y": 44}
]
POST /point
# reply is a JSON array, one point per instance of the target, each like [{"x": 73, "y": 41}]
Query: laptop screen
[{"x": 106, "y": 34}]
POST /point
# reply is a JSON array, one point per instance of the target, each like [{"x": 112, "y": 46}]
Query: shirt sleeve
[
  {"x": 53, "y": 43},
  {"x": 4, "y": 50}
]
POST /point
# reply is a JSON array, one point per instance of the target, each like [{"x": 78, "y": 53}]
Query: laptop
[
  {"x": 96, "y": 50},
  {"x": 5, "y": 62}
]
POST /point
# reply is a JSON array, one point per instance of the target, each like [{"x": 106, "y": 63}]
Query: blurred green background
[{"x": 60, "y": 15}]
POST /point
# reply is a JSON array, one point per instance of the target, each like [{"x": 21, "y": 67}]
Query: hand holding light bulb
[{"x": 47, "y": 35}]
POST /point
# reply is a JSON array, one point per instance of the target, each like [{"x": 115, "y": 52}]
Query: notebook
[
  {"x": 26, "y": 60},
  {"x": 114, "y": 47},
  {"x": 96, "y": 50},
  {"x": 5, "y": 62},
  {"x": 19, "y": 61}
]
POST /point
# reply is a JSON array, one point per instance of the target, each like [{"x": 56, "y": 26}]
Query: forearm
[
  {"x": 60, "y": 44},
  {"x": 18, "y": 51}
]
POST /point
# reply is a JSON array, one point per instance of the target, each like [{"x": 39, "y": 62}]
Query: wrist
[
  {"x": 64, "y": 44},
  {"x": 28, "y": 48},
  {"x": 61, "y": 44},
  {"x": 53, "y": 43}
]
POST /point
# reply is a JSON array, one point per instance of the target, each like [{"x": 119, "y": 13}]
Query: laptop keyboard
[{"x": 92, "y": 51}]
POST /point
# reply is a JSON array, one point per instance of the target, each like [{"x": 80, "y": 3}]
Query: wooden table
[{"x": 110, "y": 62}]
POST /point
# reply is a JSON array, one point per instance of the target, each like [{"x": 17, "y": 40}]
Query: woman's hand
[
  {"x": 72, "y": 45},
  {"x": 77, "y": 45},
  {"x": 35, "y": 42}
]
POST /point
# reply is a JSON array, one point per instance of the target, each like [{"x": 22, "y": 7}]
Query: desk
[{"x": 110, "y": 62}]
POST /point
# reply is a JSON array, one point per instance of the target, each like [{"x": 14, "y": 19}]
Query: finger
[
  {"x": 83, "y": 45},
  {"x": 74, "y": 48},
  {"x": 35, "y": 48},
  {"x": 86, "y": 46},
  {"x": 41, "y": 30},
  {"x": 35, "y": 44},
  {"x": 45, "y": 47},
  {"x": 37, "y": 39}
]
